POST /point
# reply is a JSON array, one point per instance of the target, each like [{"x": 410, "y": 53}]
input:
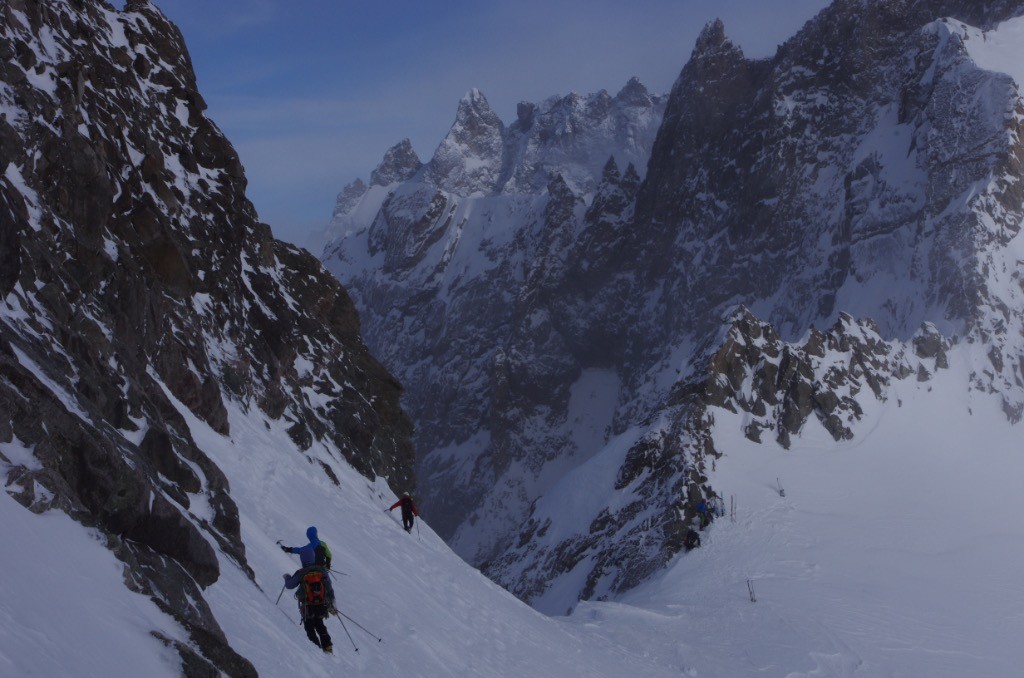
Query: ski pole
[
  {"x": 342, "y": 614},
  {"x": 278, "y": 607},
  {"x": 290, "y": 620},
  {"x": 344, "y": 574},
  {"x": 347, "y": 633}
]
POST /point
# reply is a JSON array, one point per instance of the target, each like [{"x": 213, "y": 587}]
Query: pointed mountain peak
[
  {"x": 473, "y": 101},
  {"x": 349, "y": 198},
  {"x": 634, "y": 93},
  {"x": 475, "y": 115},
  {"x": 712, "y": 35},
  {"x": 712, "y": 41},
  {"x": 474, "y": 95},
  {"x": 400, "y": 163},
  {"x": 469, "y": 158},
  {"x": 611, "y": 174},
  {"x": 630, "y": 179},
  {"x": 558, "y": 188}
]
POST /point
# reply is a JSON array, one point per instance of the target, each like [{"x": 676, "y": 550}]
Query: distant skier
[{"x": 408, "y": 511}]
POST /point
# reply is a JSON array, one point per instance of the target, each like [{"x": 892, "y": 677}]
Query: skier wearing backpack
[
  {"x": 316, "y": 593},
  {"x": 316, "y": 600},
  {"x": 408, "y": 511}
]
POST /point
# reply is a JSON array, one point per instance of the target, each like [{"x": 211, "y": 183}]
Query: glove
[
  {"x": 286, "y": 549},
  {"x": 285, "y": 577}
]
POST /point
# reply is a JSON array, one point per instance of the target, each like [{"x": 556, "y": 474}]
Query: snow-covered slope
[
  {"x": 894, "y": 554},
  {"x": 66, "y": 610},
  {"x": 178, "y": 390}
]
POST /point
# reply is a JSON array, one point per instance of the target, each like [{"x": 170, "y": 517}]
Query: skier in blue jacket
[
  {"x": 313, "y": 553},
  {"x": 702, "y": 513}
]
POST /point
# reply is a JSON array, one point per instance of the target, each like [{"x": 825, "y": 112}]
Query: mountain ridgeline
[
  {"x": 138, "y": 286},
  {"x": 570, "y": 300}
]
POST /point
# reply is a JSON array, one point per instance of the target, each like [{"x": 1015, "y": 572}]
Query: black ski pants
[
  {"x": 407, "y": 520},
  {"x": 316, "y": 631}
]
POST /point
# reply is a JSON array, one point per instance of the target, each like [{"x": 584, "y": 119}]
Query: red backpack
[{"x": 314, "y": 586}]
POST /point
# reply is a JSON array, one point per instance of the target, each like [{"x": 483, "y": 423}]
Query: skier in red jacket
[{"x": 408, "y": 511}]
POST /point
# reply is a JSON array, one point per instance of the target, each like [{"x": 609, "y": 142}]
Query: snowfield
[{"x": 896, "y": 554}]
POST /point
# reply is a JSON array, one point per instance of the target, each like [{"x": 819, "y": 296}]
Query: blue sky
[{"x": 312, "y": 92}]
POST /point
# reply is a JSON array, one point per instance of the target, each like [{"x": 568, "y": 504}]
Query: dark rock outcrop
[
  {"x": 665, "y": 474},
  {"x": 400, "y": 163}
]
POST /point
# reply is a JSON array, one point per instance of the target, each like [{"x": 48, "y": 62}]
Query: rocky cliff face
[
  {"x": 870, "y": 169},
  {"x": 877, "y": 173},
  {"x": 642, "y": 491},
  {"x": 137, "y": 283},
  {"x": 462, "y": 241}
]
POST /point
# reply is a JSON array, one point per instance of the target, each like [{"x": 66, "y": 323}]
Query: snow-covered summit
[{"x": 570, "y": 135}]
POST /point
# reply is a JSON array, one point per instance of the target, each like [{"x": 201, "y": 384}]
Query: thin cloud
[
  {"x": 313, "y": 93},
  {"x": 223, "y": 18}
]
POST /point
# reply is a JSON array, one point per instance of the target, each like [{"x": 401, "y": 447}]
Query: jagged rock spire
[
  {"x": 400, "y": 163},
  {"x": 349, "y": 197},
  {"x": 711, "y": 38},
  {"x": 469, "y": 159},
  {"x": 611, "y": 174},
  {"x": 634, "y": 93}
]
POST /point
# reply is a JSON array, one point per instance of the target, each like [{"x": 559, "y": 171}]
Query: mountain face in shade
[
  {"x": 138, "y": 286},
  {"x": 567, "y": 326}
]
